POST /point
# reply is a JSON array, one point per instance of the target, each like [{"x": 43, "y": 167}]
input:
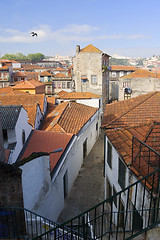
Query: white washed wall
[
  {"x": 22, "y": 124},
  {"x": 36, "y": 182}
]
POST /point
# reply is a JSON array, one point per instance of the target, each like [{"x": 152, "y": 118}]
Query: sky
[{"x": 124, "y": 27}]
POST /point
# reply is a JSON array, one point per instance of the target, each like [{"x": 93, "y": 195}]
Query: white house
[
  {"x": 16, "y": 129},
  {"x": 47, "y": 180},
  {"x": 127, "y": 159}
]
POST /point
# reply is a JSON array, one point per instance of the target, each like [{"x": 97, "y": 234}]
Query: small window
[
  {"x": 121, "y": 174},
  {"x": 65, "y": 184},
  {"x": 109, "y": 189},
  {"x": 94, "y": 79},
  {"x": 109, "y": 154},
  {"x": 83, "y": 78},
  {"x": 96, "y": 126},
  {"x": 127, "y": 96},
  {"x": 23, "y": 137},
  {"x": 63, "y": 85},
  {"x": 68, "y": 85}
]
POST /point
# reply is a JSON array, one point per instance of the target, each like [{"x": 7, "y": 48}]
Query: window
[
  {"x": 42, "y": 79},
  {"x": 65, "y": 184},
  {"x": 113, "y": 74},
  {"x": 54, "y": 85},
  {"x": 23, "y": 137},
  {"x": 83, "y": 78},
  {"x": 127, "y": 96},
  {"x": 96, "y": 126},
  {"x": 59, "y": 85},
  {"x": 121, "y": 174},
  {"x": 68, "y": 85},
  {"x": 109, "y": 154},
  {"x": 109, "y": 189},
  {"x": 94, "y": 79},
  {"x": 49, "y": 78},
  {"x": 126, "y": 84},
  {"x": 63, "y": 85}
]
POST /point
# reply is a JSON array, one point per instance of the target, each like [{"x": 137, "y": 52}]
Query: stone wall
[{"x": 10, "y": 186}]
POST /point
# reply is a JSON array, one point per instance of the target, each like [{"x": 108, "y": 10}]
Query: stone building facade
[
  {"x": 137, "y": 83},
  {"x": 90, "y": 71}
]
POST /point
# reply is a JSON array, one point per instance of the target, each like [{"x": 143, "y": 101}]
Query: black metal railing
[
  {"x": 20, "y": 223},
  {"x": 116, "y": 215}
]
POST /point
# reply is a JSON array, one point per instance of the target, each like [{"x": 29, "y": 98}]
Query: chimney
[{"x": 78, "y": 49}]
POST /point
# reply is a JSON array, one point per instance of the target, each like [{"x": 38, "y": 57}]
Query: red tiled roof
[
  {"x": 122, "y": 141},
  {"x": 61, "y": 93},
  {"x": 122, "y": 68},
  {"x": 22, "y": 99},
  {"x": 42, "y": 141},
  {"x": 69, "y": 116},
  {"x": 59, "y": 69},
  {"x": 19, "y": 74},
  {"x": 141, "y": 73},
  {"x": 138, "y": 110},
  {"x": 79, "y": 95},
  {"x": 60, "y": 75},
  {"x": 30, "y": 84},
  {"x": 90, "y": 48},
  {"x": 31, "y": 66},
  {"x": 45, "y": 73}
]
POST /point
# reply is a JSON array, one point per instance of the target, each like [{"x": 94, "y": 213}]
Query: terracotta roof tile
[
  {"x": 59, "y": 69},
  {"x": 31, "y": 84},
  {"x": 70, "y": 117},
  {"x": 60, "y": 75},
  {"x": 79, "y": 95},
  {"x": 144, "y": 108},
  {"x": 141, "y": 73},
  {"x": 23, "y": 99},
  {"x": 90, "y": 48},
  {"x": 19, "y": 74},
  {"x": 45, "y": 73},
  {"x": 42, "y": 141},
  {"x": 122, "y": 68}
]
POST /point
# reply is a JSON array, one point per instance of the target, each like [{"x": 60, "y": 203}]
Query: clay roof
[
  {"x": 31, "y": 66},
  {"x": 60, "y": 75},
  {"x": 141, "y": 73},
  {"x": 90, "y": 48},
  {"x": 19, "y": 74},
  {"x": 68, "y": 117},
  {"x": 122, "y": 68},
  {"x": 42, "y": 141},
  {"x": 138, "y": 110},
  {"x": 8, "y": 90},
  {"x": 122, "y": 141},
  {"x": 32, "y": 75},
  {"x": 79, "y": 95},
  {"x": 60, "y": 69},
  {"x": 23, "y": 99},
  {"x": 45, "y": 73},
  {"x": 61, "y": 93},
  {"x": 30, "y": 84},
  {"x": 4, "y": 68}
]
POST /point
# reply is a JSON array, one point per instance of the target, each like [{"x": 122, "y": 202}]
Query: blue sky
[{"x": 124, "y": 27}]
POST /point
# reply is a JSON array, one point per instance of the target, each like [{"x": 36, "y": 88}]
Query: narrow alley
[{"x": 88, "y": 189}]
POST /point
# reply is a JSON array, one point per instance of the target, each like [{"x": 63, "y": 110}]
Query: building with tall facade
[{"x": 90, "y": 71}]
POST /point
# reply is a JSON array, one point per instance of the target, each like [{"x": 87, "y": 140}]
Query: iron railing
[
  {"x": 126, "y": 214},
  {"x": 20, "y": 223}
]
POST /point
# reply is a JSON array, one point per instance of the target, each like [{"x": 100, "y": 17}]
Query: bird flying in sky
[{"x": 34, "y": 34}]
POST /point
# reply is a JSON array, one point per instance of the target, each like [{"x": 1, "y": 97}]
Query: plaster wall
[{"x": 16, "y": 134}]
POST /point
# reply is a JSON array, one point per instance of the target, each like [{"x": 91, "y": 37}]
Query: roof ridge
[{"x": 130, "y": 109}]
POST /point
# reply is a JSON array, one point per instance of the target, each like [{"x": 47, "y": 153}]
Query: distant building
[
  {"x": 115, "y": 73},
  {"x": 90, "y": 71},
  {"x": 137, "y": 83}
]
